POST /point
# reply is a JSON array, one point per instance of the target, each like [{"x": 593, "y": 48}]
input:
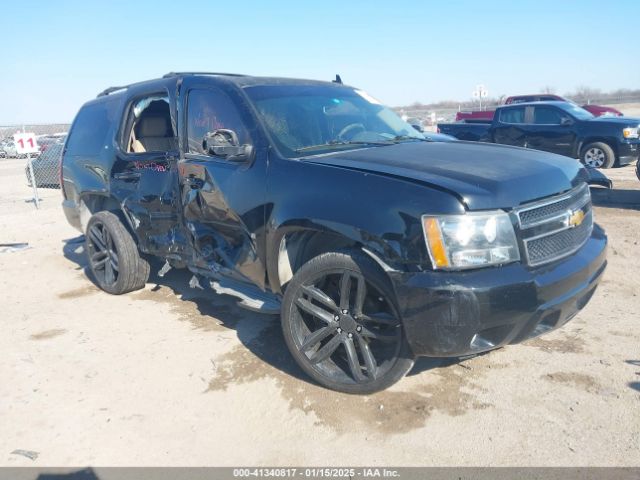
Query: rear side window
[
  {"x": 90, "y": 129},
  {"x": 149, "y": 127},
  {"x": 512, "y": 115}
]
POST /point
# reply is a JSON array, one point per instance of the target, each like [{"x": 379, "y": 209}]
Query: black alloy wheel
[
  {"x": 113, "y": 255},
  {"x": 103, "y": 255},
  {"x": 341, "y": 324}
]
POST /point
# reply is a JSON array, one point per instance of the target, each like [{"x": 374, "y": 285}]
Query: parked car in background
[
  {"x": 596, "y": 110},
  {"x": 46, "y": 168},
  {"x": 557, "y": 127},
  {"x": 10, "y": 149},
  {"x": 45, "y": 141},
  {"x": 313, "y": 201},
  {"x": 475, "y": 115}
]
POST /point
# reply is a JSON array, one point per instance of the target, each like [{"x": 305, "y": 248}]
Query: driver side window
[{"x": 209, "y": 110}]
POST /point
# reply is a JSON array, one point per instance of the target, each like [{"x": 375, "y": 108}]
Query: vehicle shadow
[
  {"x": 634, "y": 385},
  {"x": 73, "y": 249},
  {"x": 260, "y": 334},
  {"x": 614, "y": 198}
]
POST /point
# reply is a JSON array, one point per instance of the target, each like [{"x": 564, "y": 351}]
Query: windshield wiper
[
  {"x": 340, "y": 143},
  {"x": 399, "y": 138}
]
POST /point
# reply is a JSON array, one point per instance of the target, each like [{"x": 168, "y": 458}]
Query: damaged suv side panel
[{"x": 390, "y": 232}]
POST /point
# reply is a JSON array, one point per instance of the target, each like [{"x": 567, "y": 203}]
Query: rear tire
[
  {"x": 113, "y": 255},
  {"x": 598, "y": 155},
  {"x": 361, "y": 351}
]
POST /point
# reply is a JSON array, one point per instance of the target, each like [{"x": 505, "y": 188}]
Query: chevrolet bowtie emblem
[{"x": 576, "y": 218}]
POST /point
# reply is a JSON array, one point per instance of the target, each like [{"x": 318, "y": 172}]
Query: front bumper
[
  {"x": 628, "y": 152},
  {"x": 449, "y": 314}
]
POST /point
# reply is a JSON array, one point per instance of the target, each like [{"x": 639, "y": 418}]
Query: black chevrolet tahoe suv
[
  {"x": 557, "y": 127},
  {"x": 312, "y": 200}
]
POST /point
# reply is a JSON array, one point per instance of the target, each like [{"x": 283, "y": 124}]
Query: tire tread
[{"x": 133, "y": 270}]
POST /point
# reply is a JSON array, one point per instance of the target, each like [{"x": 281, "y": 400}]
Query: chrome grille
[
  {"x": 542, "y": 213},
  {"x": 554, "y": 228},
  {"x": 559, "y": 244}
]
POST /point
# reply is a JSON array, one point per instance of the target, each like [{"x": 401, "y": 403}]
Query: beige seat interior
[{"x": 152, "y": 134}]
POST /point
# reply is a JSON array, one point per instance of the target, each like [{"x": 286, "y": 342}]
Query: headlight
[
  {"x": 630, "y": 132},
  {"x": 471, "y": 240}
]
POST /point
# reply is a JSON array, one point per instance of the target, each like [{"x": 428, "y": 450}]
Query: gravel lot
[{"x": 169, "y": 376}]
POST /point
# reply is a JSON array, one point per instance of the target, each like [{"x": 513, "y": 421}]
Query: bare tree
[{"x": 584, "y": 94}]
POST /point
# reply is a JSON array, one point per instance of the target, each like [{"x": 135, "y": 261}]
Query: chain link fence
[{"x": 41, "y": 169}]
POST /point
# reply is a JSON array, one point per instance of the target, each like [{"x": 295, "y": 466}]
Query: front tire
[
  {"x": 598, "y": 155},
  {"x": 342, "y": 326},
  {"x": 113, "y": 255}
]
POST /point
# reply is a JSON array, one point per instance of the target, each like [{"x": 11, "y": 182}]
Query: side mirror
[
  {"x": 418, "y": 127},
  {"x": 224, "y": 143},
  {"x": 566, "y": 121}
]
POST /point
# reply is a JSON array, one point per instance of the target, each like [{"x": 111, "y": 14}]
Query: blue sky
[{"x": 59, "y": 54}]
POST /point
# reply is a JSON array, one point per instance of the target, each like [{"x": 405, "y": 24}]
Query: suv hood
[
  {"x": 621, "y": 121},
  {"x": 483, "y": 176}
]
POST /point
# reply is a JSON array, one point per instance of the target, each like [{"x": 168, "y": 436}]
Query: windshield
[
  {"x": 578, "y": 112},
  {"x": 309, "y": 119}
]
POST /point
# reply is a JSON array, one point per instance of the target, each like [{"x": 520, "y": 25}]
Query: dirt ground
[
  {"x": 169, "y": 376},
  {"x": 629, "y": 109}
]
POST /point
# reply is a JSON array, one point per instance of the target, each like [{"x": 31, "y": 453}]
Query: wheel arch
[
  {"x": 90, "y": 203},
  {"x": 293, "y": 244}
]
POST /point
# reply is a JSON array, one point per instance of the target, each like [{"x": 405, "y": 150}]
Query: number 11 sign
[{"x": 25, "y": 143}]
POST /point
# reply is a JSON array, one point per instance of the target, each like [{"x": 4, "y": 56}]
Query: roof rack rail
[
  {"x": 111, "y": 90},
  {"x": 175, "y": 74}
]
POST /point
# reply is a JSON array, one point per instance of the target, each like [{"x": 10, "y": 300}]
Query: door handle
[{"x": 127, "y": 176}]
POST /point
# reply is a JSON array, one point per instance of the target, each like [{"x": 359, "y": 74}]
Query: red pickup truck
[{"x": 596, "y": 110}]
